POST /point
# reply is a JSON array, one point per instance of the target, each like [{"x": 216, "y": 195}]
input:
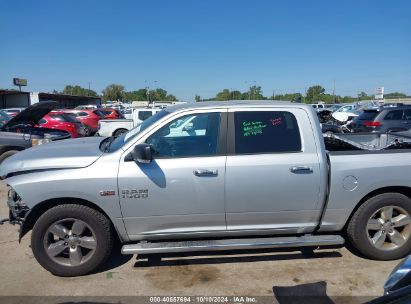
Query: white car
[
  {"x": 116, "y": 127},
  {"x": 346, "y": 113},
  {"x": 13, "y": 111}
]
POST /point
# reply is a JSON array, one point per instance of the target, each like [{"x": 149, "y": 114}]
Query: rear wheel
[
  {"x": 7, "y": 154},
  {"x": 381, "y": 227},
  {"x": 72, "y": 240}
]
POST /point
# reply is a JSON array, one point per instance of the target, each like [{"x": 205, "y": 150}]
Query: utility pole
[
  {"x": 88, "y": 88},
  {"x": 147, "y": 92},
  {"x": 334, "y": 92}
]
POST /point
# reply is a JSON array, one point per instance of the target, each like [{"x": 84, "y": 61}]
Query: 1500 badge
[{"x": 134, "y": 193}]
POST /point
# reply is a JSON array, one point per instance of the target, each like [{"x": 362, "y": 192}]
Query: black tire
[
  {"x": 87, "y": 131},
  {"x": 358, "y": 233},
  {"x": 7, "y": 154},
  {"x": 98, "y": 222},
  {"x": 118, "y": 132}
]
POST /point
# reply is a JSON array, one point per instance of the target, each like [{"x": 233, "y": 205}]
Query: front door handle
[
  {"x": 301, "y": 170},
  {"x": 205, "y": 172}
]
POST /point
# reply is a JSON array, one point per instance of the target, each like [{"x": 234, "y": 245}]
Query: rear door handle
[
  {"x": 301, "y": 170},
  {"x": 205, "y": 172}
]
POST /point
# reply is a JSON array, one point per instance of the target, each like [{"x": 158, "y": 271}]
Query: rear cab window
[
  {"x": 368, "y": 115},
  {"x": 258, "y": 132},
  {"x": 63, "y": 118},
  {"x": 143, "y": 115},
  {"x": 98, "y": 113}
]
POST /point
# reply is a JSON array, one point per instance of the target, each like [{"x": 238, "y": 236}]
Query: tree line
[
  {"x": 117, "y": 92},
  {"x": 315, "y": 93}
]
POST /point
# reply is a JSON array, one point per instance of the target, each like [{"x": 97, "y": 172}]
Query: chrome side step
[{"x": 232, "y": 244}]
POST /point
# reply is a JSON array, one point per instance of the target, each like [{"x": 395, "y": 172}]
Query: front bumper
[{"x": 18, "y": 211}]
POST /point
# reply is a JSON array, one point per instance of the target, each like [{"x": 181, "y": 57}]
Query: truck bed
[{"x": 367, "y": 141}]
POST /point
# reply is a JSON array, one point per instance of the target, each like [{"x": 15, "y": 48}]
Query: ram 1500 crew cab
[{"x": 238, "y": 176}]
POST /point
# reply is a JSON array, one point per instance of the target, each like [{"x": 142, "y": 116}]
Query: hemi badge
[{"x": 107, "y": 193}]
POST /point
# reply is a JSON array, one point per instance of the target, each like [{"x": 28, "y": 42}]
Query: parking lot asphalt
[{"x": 252, "y": 273}]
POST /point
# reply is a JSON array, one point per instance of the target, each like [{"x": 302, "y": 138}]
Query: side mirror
[
  {"x": 142, "y": 153},
  {"x": 399, "y": 277}
]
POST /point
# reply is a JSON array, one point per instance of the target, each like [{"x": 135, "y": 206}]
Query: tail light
[{"x": 372, "y": 123}]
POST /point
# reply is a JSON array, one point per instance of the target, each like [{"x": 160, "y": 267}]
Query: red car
[
  {"x": 89, "y": 118},
  {"x": 110, "y": 113},
  {"x": 61, "y": 121}
]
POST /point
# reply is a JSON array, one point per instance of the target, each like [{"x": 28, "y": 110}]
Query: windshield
[
  {"x": 334, "y": 107},
  {"x": 118, "y": 142}
]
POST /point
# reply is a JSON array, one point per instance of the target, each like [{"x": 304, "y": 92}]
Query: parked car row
[
  {"x": 110, "y": 127},
  {"x": 22, "y": 131},
  {"x": 353, "y": 118},
  {"x": 82, "y": 121},
  {"x": 63, "y": 121},
  {"x": 384, "y": 119}
]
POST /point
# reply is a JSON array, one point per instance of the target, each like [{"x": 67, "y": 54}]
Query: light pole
[{"x": 147, "y": 92}]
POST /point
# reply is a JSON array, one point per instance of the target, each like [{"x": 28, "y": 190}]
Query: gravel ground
[{"x": 253, "y": 273}]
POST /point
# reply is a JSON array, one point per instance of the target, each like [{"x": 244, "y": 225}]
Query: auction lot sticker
[{"x": 297, "y": 299}]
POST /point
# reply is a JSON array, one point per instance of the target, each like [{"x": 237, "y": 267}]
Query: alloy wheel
[
  {"x": 70, "y": 242},
  {"x": 389, "y": 228}
]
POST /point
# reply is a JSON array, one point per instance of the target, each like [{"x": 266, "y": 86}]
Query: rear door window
[
  {"x": 266, "y": 132},
  {"x": 394, "y": 115}
]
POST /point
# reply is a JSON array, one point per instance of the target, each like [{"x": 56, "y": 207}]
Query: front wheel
[
  {"x": 72, "y": 240},
  {"x": 381, "y": 228}
]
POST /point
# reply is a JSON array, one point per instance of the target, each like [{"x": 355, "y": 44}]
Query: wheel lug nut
[
  {"x": 65, "y": 244},
  {"x": 73, "y": 247}
]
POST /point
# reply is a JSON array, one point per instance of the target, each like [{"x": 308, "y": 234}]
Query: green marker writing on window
[{"x": 253, "y": 128}]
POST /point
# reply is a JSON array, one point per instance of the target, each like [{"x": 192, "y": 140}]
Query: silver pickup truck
[{"x": 238, "y": 176}]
